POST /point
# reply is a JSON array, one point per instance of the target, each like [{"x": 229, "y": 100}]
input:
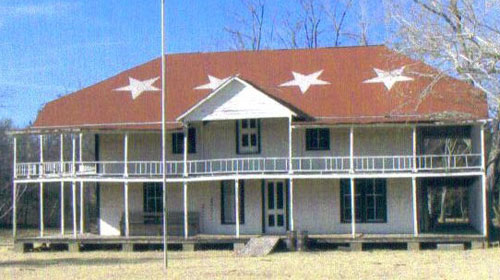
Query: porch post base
[
  {"x": 356, "y": 246},
  {"x": 237, "y": 247},
  {"x": 474, "y": 245},
  {"x": 20, "y": 247},
  {"x": 413, "y": 246},
  {"x": 127, "y": 247},
  {"x": 73, "y": 247},
  {"x": 188, "y": 247}
]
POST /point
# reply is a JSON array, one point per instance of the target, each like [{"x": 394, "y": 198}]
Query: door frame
[{"x": 286, "y": 186}]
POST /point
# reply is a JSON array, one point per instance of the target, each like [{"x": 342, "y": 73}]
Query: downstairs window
[{"x": 370, "y": 200}]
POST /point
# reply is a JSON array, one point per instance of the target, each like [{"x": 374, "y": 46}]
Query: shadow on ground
[{"x": 75, "y": 261}]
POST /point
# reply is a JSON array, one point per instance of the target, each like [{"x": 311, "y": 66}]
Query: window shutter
[
  {"x": 192, "y": 140},
  {"x": 242, "y": 201},
  {"x": 237, "y": 123},
  {"x": 222, "y": 199}
]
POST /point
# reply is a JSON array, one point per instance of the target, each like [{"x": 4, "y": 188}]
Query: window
[
  {"x": 153, "y": 202},
  {"x": 317, "y": 139},
  {"x": 371, "y": 204},
  {"x": 248, "y": 136},
  {"x": 228, "y": 204},
  {"x": 178, "y": 142}
]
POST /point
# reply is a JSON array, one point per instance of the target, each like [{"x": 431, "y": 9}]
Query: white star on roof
[
  {"x": 389, "y": 78},
  {"x": 304, "y": 82},
  {"x": 137, "y": 87},
  {"x": 213, "y": 83}
]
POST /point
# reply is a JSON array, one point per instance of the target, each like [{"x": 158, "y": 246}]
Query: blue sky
[{"x": 49, "y": 48}]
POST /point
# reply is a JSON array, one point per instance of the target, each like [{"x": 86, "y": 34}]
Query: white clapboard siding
[{"x": 237, "y": 99}]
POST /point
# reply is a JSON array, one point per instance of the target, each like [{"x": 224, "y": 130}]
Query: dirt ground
[{"x": 378, "y": 264}]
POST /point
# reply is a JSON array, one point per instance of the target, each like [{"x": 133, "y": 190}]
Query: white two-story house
[{"x": 261, "y": 143}]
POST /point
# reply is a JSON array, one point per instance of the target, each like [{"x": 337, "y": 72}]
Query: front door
[{"x": 275, "y": 206}]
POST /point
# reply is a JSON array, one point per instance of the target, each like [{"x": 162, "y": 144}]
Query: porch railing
[{"x": 341, "y": 164}]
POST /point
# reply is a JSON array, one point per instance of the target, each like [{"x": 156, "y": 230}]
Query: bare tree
[
  {"x": 248, "y": 30},
  {"x": 337, "y": 15},
  {"x": 462, "y": 39}
]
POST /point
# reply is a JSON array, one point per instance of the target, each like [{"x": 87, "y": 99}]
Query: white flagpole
[{"x": 163, "y": 134}]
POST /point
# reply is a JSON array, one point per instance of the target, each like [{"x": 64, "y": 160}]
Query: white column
[
  {"x": 14, "y": 169},
  {"x": 14, "y": 192},
  {"x": 351, "y": 149},
  {"x": 126, "y": 210},
  {"x": 353, "y": 208},
  {"x": 42, "y": 225},
  {"x": 41, "y": 155},
  {"x": 186, "y": 221},
  {"x": 14, "y": 210},
  {"x": 73, "y": 184},
  {"x": 237, "y": 206},
  {"x": 82, "y": 207},
  {"x": 73, "y": 187},
  {"x": 290, "y": 196},
  {"x": 73, "y": 158},
  {"x": 415, "y": 206},
  {"x": 185, "y": 150},
  {"x": 61, "y": 152},
  {"x": 290, "y": 169},
  {"x": 125, "y": 155},
  {"x": 485, "y": 209},
  {"x": 414, "y": 140}
]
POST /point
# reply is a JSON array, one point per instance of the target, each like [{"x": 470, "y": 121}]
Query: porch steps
[{"x": 259, "y": 246}]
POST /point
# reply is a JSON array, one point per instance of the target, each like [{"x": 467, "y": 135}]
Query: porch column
[
  {"x": 14, "y": 210},
  {"x": 126, "y": 211},
  {"x": 42, "y": 171},
  {"x": 73, "y": 188},
  {"x": 61, "y": 152},
  {"x": 353, "y": 208},
  {"x": 415, "y": 207},
  {"x": 237, "y": 206},
  {"x": 414, "y": 140},
  {"x": 186, "y": 224},
  {"x": 42, "y": 225},
  {"x": 73, "y": 183},
  {"x": 14, "y": 191},
  {"x": 485, "y": 209},
  {"x": 290, "y": 196},
  {"x": 351, "y": 149},
  {"x": 290, "y": 168},
  {"x": 82, "y": 198},
  {"x": 484, "y": 184},
  {"x": 185, "y": 149},
  {"x": 14, "y": 159},
  {"x": 125, "y": 155}
]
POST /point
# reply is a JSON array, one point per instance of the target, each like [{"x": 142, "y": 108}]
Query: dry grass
[{"x": 476, "y": 264}]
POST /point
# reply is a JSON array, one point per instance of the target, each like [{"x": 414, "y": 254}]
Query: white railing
[
  {"x": 383, "y": 163},
  {"x": 238, "y": 165},
  {"x": 321, "y": 164},
  {"x": 361, "y": 164}
]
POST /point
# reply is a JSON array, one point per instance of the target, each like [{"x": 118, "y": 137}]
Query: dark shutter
[
  {"x": 191, "y": 140},
  {"x": 259, "y": 137},
  {"x": 242, "y": 201},
  {"x": 222, "y": 199},
  {"x": 237, "y": 123},
  {"x": 263, "y": 196},
  {"x": 324, "y": 139}
]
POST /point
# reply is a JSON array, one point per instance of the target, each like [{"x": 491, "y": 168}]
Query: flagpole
[{"x": 163, "y": 134}]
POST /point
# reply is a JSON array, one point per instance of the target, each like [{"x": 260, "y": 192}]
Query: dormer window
[{"x": 248, "y": 136}]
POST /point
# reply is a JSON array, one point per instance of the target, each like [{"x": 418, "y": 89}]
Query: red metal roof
[{"x": 346, "y": 99}]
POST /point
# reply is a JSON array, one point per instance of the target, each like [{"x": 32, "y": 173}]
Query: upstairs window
[
  {"x": 370, "y": 200},
  {"x": 248, "y": 136},
  {"x": 178, "y": 142},
  {"x": 317, "y": 139}
]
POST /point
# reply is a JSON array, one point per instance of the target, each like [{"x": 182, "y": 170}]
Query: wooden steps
[{"x": 259, "y": 246}]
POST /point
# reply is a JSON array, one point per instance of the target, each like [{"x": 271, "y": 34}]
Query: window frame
[
  {"x": 244, "y": 128},
  {"x": 158, "y": 205},
  {"x": 310, "y": 133},
  {"x": 178, "y": 142},
  {"x": 230, "y": 184},
  {"x": 363, "y": 195}
]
